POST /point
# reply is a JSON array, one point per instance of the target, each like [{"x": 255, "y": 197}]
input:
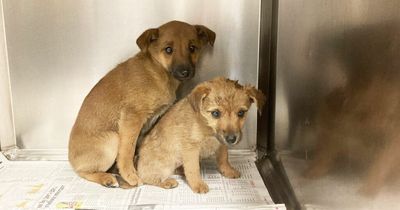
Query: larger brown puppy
[{"x": 127, "y": 99}]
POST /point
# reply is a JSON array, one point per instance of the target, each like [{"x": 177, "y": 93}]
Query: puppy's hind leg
[
  {"x": 92, "y": 156},
  {"x": 105, "y": 179},
  {"x": 154, "y": 170},
  {"x": 158, "y": 178},
  {"x": 169, "y": 183}
]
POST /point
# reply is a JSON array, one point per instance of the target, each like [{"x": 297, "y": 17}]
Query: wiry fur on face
[
  {"x": 223, "y": 104},
  {"x": 192, "y": 130}
]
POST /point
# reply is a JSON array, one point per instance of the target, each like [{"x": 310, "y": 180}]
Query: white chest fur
[{"x": 209, "y": 146}]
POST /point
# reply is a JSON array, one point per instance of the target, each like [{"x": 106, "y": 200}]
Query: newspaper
[{"x": 54, "y": 185}]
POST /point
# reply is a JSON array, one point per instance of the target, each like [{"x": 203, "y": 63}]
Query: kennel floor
[
  {"x": 337, "y": 190},
  {"x": 53, "y": 185}
]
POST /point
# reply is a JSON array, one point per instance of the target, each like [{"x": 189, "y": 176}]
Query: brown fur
[
  {"x": 360, "y": 123},
  {"x": 189, "y": 132},
  {"x": 127, "y": 99}
]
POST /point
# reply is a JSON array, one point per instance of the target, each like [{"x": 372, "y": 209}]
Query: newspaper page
[{"x": 54, "y": 185}]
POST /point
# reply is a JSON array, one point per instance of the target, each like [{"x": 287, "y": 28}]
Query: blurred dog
[
  {"x": 128, "y": 99},
  {"x": 360, "y": 124},
  {"x": 203, "y": 123}
]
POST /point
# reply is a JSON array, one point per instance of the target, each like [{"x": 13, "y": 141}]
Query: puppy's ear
[
  {"x": 146, "y": 38},
  {"x": 205, "y": 35},
  {"x": 197, "y": 95},
  {"x": 256, "y": 96}
]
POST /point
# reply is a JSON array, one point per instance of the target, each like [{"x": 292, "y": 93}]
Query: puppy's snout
[
  {"x": 183, "y": 72},
  {"x": 231, "y": 138}
]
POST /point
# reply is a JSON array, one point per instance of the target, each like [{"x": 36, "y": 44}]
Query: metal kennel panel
[
  {"x": 54, "y": 52},
  {"x": 7, "y": 134},
  {"x": 323, "y": 46}
]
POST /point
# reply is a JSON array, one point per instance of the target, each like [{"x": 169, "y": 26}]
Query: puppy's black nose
[
  {"x": 230, "y": 139},
  {"x": 183, "y": 72}
]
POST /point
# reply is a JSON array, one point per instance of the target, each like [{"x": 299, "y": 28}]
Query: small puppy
[
  {"x": 126, "y": 101},
  {"x": 205, "y": 122}
]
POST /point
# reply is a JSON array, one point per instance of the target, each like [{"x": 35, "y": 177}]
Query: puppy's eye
[
  {"x": 241, "y": 113},
  {"x": 216, "y": 114},
  {"x": 169, "y": 50},
  {"x": 192, "y": 48}
]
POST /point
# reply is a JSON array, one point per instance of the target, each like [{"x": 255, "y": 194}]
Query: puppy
[
  {"x": 360, "y": 126},
  {"x": 205, "y": 122},
  {"x": 126, "y": 100}
]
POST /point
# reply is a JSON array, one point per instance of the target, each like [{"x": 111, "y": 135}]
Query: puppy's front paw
[
  {"x": 230, "y": 172},
  {"x": 132, "y": 179},
  {"x": 200, "y": 187}
]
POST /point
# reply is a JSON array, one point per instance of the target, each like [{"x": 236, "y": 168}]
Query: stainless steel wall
[
  {"x": 7, "y": 133},
  {"x": 325, "y": 47},
  {"x": 313, "y": 36},
  {"x": 58, "y": 50}
]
